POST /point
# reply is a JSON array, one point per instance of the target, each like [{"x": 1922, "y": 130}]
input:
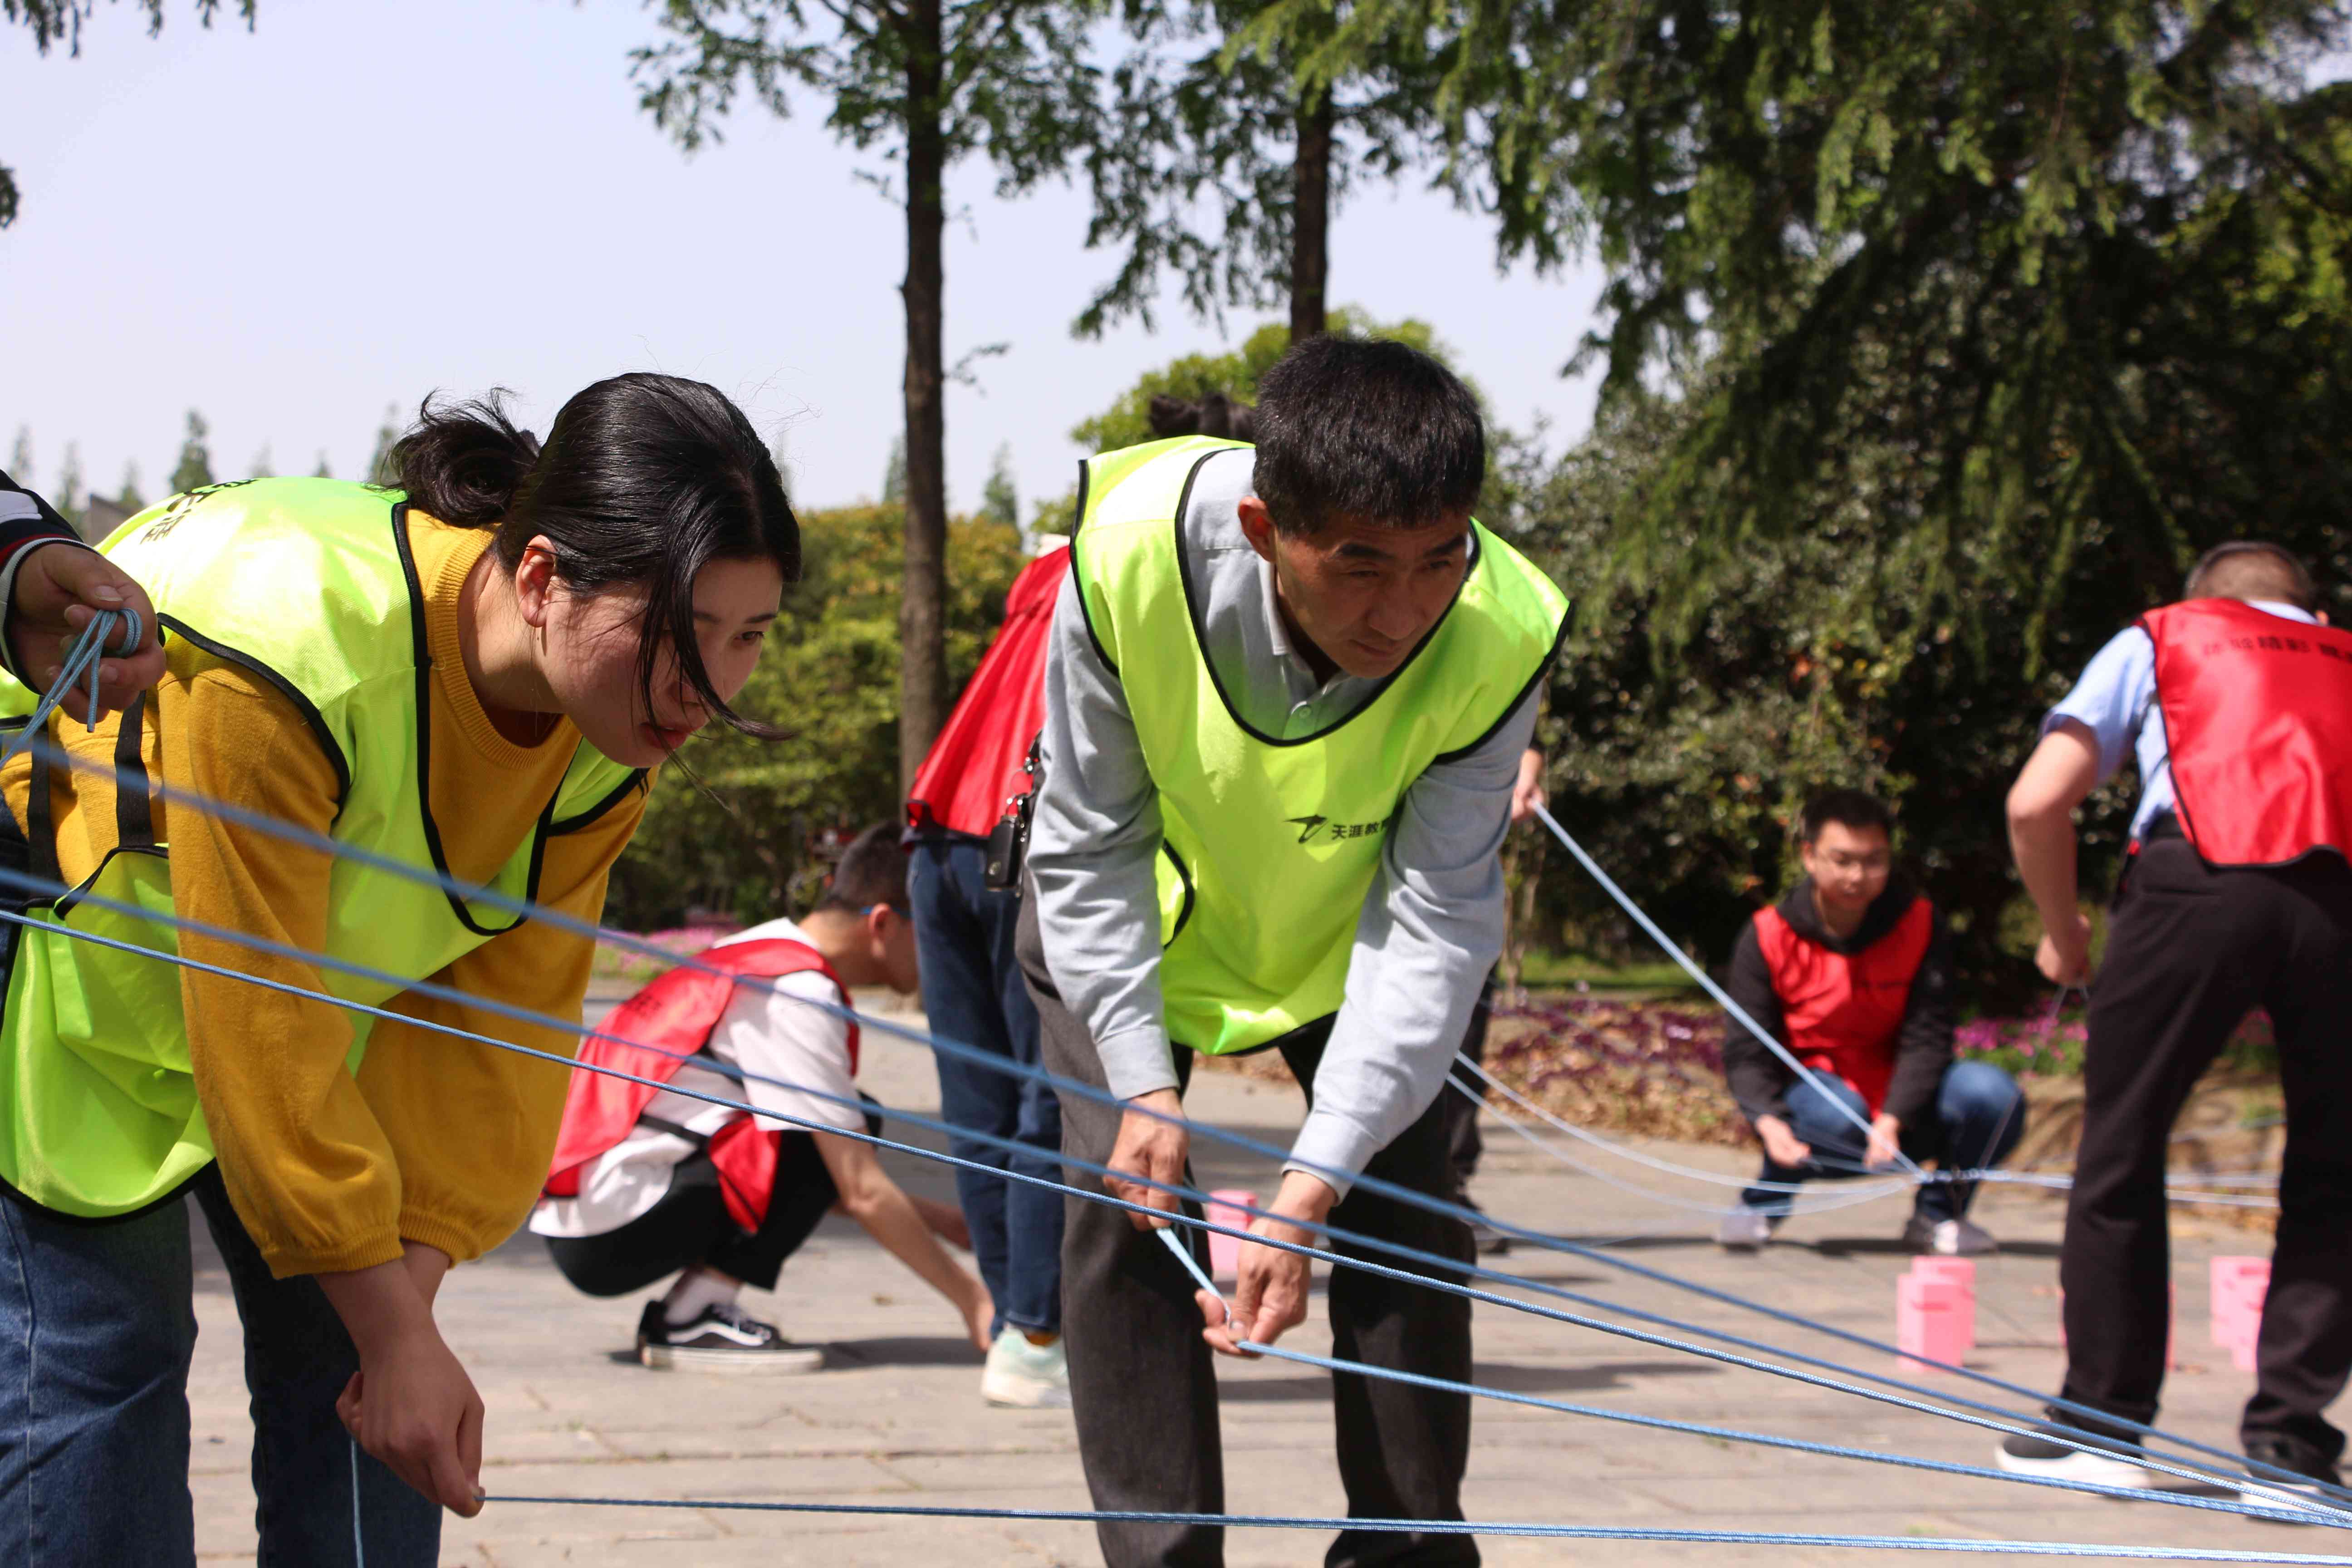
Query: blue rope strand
[
  {"x": 2300, "y": 1512},
  {"x": 1469, "y": 1527},
  {"x": 82, "y": 657},
  {"x": 557, "y": 919}
]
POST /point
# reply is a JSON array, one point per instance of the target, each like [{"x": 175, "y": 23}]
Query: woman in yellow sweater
[{"x": 472, "y": 673}]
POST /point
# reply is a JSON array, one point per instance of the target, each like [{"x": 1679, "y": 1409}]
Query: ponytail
[{"x": 464, "y": 460}]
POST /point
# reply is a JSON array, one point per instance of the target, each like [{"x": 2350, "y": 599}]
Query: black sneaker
[
  {"x": 722, "y": 1339},
  {"x": 2278, "y": 1453},
  {"x": 2113, "y": 1462}
]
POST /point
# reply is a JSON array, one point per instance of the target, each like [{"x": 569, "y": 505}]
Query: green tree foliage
[
  {"x": 929, "y": 82},
  {"x": 1000, "y": 499},
  {"x": 20, "y": 462},
  {"x": 68, "y": 497},
  {"x": 263, "y": 465},
  {"x": 55, "y": 22},
  {"x": 323, "y": 471},
  {"x": 1230, "y": 161},
  {"x": 379, "y": 468},
  {"x": 830, "y": 671},
  {"x": 2081, "y": 263},
  {"x": 129, "y": 499},
  {"x": 195, "y": 469},
  {"x": 894, "y": 473}
]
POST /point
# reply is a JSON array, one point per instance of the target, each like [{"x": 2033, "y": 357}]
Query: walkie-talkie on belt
[{"x": 1008, "y": 841}]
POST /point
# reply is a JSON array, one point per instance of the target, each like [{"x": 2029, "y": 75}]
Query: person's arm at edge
[
  {"x": 869, "y": 1197},
  {"x": 2059, "y": 776},
  {"x": 50, "y": 596}
]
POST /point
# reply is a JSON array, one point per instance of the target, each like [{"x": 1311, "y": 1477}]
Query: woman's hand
[{"x": 411, "y": 1404}]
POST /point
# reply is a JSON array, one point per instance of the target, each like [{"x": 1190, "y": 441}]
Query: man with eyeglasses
[{"x": 1851, "y": 972}]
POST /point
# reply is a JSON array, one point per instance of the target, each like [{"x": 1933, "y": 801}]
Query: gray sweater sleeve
[
  {"x": 1092, "y": 844},
  {"x": 1430, "y": 929}
]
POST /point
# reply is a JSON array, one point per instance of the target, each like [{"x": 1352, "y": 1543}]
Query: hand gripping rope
[
  {"x": 81, "y": 659},
  {"x": 952, "y": 1048}
]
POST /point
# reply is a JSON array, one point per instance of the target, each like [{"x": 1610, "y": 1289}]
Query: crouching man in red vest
[
  {"x": 1852, "y": 972},
  {"x": 2237, "y": 703},
  {"x": 649, "y": 1183}
]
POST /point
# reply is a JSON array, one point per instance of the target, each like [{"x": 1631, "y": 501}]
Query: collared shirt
[
  {"x": 1432, "y": 924},
  {"x": 2115, "y": 699}
]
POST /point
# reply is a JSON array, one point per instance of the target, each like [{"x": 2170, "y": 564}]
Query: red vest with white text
[
  {"x": 1840, "y": 1011},
  {"x": 2258, "y": 719},
  {"x": 975, "y": 764},
  {"x": 666, "y": 1026}
]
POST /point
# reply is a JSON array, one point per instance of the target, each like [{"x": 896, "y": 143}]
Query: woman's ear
[{"x": 535, "y": 582}]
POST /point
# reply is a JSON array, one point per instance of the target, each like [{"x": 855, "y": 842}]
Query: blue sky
[{"x": 363, "y": 200}]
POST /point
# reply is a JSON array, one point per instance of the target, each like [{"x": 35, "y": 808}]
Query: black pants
[
  {"x": 691, "y": 1226},
  {"x": 1463, "y": 1144},
  {"x": 1142, "y": 1385},
  {"x": 2191, "y": 951}
]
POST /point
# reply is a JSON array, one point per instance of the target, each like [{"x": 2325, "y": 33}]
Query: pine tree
[
  {"x": 263, "y": 467},
  {"x": 379, "y": 469},
  {"x": 323, "y": 471},
  {"x": 194, "y": 470},
  {"x": 1000, "y": 501},
  {"x": 894, "y": 474},
  {"x": 20, "y": 462},
  {"x": 130, "y": 500},
  {"x": 68, "y": 499}
]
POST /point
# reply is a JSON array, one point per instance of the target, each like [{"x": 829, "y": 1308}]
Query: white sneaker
[
  {"x": 1745, "y": 1229},
  {"x": 1026, "y": 1376},
  {"x": 2108, "y": 1464},
  {"x": 1949, "y": 1238}
]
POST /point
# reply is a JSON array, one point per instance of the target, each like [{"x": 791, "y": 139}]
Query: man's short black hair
[
  {"x": 1853, "y": 808},
  {"x": 1366, "y": 429},
  {"x": 872, "y": 870},
  {"x": 2253, "y": 569}
]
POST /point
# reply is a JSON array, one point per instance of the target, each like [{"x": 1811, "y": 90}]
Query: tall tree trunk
[
  {"x": 922, "y": 640},
  {"x": 1310, "y": 226}
]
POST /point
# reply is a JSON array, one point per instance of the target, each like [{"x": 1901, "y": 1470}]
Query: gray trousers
[{"x": 1142, "y": 1385}]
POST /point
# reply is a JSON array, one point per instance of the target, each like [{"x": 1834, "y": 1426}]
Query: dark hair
[
  {"x": 642, "y": 478},
  {"x": 1853, "y": 808},
  {"x": 1366, "y": 429},
  {"x": 2251, "y": 569},
  {"x": 872, "y": 870}
]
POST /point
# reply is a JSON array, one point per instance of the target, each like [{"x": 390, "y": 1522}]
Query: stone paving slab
[{"x": 896, "y": 1416}]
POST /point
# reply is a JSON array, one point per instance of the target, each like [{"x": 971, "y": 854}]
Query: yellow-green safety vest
[
  {"x": 1269, "y": 846},
  {"x": 310, "y": 585}
]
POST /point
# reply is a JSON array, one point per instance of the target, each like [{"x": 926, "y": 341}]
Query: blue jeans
[
  {"x": 96, "y": 1334},
  {"x": 973, "y": 992},
  {"x": 1977, "y": 1117}
]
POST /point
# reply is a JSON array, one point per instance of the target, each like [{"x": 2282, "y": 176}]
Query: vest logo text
[{"x": 1323, "y": 830}]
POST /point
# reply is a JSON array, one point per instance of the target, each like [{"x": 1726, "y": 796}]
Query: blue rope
[
  {"x": 2299, "y": 1511},
  {"x": 2297, "y": 1514},
  {"x": 1469, "y": 1527},
  {"x": 359, "y": 1538},
  {"x": 557, "y": 919},
  {"x": 81, "y": 659}
]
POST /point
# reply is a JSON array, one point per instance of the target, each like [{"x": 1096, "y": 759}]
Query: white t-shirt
[{"x": 766, "y": 1033}]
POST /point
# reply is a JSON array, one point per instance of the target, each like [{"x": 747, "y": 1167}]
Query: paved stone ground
[{"x": 896, "y": 1418}]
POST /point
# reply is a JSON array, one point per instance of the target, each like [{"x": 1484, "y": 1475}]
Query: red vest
[
  {"x": 975, "y": 764},
  {"x": 665, "y": 1024},
  {"x": 2258, "y": 721},
  {"x": 1842, "y": 1010}
]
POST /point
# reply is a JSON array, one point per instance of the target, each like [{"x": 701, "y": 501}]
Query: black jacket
[{"x": 1923, "y": 1045}]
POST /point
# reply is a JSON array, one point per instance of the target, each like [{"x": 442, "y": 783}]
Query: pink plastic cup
[
  {"x": 2233, "y": 1279},
  {"x": 1931, "y": 1321},
  {"x": 1224, "y": 1208},
  {"x": 1960, "y": 1273}
]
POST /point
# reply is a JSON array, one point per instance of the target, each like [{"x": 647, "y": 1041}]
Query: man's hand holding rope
[{"x": 1270, "y": 1285}]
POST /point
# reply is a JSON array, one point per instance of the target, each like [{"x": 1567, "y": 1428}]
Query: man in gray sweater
[{"x": 1287, "y": 691}]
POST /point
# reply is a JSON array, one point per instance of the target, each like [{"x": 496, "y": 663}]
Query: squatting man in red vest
[
  {"x": 2237, "y": 704},
  {"x": 646, "y": 1184},
  {"x": 1852, "y": 971}
]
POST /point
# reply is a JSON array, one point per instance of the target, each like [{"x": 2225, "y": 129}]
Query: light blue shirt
[{"x": 2115, "y": 700}]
